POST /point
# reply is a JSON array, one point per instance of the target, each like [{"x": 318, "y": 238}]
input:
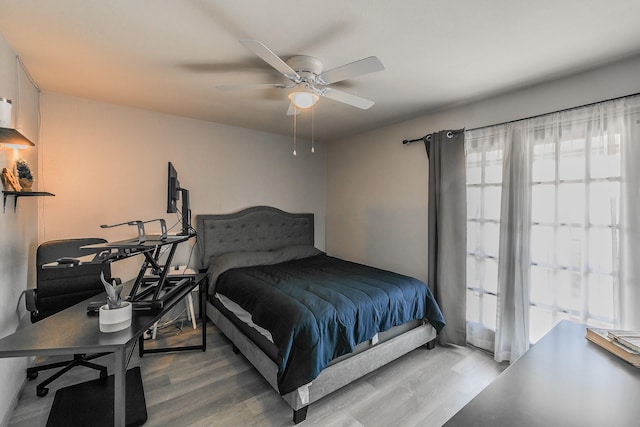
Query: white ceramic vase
[{"x": 116, "y": 319}]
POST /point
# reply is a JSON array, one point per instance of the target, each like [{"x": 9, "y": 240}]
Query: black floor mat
[{"x": 91, "y": 403}]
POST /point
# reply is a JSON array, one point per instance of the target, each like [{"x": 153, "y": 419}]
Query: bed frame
[{"x": 264, "y": 228}]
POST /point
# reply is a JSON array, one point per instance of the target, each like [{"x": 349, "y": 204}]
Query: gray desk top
[
  {"x": 74, "y": 331},
  {"x": 564, "y": 380}
]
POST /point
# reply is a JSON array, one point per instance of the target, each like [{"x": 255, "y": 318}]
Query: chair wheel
[
  {"x": 42, "y": 392},
  {"x": 32, "y": 375}
]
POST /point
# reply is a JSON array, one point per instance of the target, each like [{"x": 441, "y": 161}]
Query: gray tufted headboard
[{"x": 259, "y": 228}]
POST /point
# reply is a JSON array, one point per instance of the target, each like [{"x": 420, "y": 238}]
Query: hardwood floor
[{"x": 220, "y": 388}]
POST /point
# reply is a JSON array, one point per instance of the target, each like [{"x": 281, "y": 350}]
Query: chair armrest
[{"x": 30, "y": 297}]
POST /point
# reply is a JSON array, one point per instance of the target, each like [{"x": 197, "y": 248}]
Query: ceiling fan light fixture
[{"x": 303, "y": 99}]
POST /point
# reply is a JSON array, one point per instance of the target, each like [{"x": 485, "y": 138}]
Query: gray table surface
[{"x": 563, "y": 380}]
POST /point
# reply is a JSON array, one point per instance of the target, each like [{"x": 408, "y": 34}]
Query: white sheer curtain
[
  {"x": 627, "y": 301},
  {"x": 569, "y": 235},
  {"x": 512, "y": 331}
]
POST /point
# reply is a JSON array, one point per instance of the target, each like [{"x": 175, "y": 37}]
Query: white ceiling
[{"x": 169, "y": 55}]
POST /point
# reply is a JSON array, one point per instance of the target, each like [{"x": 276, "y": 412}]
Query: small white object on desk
[{"x": 115, "y": 319}]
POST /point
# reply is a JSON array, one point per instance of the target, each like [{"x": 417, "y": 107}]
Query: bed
[{"x": 308, "y": 322}]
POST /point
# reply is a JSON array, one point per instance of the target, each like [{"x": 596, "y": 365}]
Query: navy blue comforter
[{"x": 320, "y": 308}]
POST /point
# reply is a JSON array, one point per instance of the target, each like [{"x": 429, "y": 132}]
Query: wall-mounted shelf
[
  {"x": 14, "y": 137},
  {"x": 17, "y": 194}
]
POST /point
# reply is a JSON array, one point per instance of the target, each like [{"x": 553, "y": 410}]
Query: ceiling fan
[{"x": 308, "y": 81}]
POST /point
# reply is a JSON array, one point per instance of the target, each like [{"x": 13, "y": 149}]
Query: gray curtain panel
[{"x": 448, "y": 230}]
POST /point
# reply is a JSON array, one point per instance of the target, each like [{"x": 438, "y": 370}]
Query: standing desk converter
[
  {"x": 74, "y": 331},
  {"x": 153, "y": 284},
  {"x": 563, "y": 380}
]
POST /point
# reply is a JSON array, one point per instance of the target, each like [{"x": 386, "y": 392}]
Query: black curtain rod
[
  {"x": 450, "y": 133},
  {"x": 408, "y": 141}
]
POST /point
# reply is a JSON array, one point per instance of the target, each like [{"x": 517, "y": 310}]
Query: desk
[
  {"x": 564, "y": 380},
  {"x": 73, "y": 331}
]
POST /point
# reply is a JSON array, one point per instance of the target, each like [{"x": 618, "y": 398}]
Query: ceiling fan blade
[
  {"x": 347, "y": 98},
  {"x": 292, "y": 111},
  {"x": 251, "y": 87},
  {"x": 269, "y": 57},
  {"x": 354, "y": 69}
]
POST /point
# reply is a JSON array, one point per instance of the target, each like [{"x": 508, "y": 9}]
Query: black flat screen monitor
[{"x": 174, "y": 193}]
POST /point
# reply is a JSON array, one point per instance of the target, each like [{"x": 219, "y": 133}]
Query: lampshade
[{"x": 303, "y": 98}]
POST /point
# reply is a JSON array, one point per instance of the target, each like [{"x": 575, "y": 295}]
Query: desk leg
[
  {"x": 190, "y": 315},
  {"x": 203, "y": 318},
  {"x": 203, "y": 314},
  {"x": 119, "y": 389}
]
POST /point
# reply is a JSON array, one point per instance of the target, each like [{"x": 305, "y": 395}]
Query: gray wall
[
  {"x": 377, "y": 187},
  {"x": 108, "y": 164}
]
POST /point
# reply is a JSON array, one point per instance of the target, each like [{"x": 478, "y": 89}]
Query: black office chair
[{"x": 60, "y": 288}]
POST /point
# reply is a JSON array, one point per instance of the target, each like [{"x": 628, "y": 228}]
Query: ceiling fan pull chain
[
  {"x": 312, "y": 141},
  {"x": 295, "y": 115}
]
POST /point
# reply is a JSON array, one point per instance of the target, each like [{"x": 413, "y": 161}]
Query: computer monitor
[{"x": 174, "y": 193}]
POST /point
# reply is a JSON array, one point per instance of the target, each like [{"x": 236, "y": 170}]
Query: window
[
  {"x": 575, "y": 193},
  {"x": 484, "y": 189},
  {"x": 575, "y": 207}
]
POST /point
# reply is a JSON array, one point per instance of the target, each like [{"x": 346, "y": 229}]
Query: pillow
[
  {"x": 231, "y": 260},
  {"x": 297, "y": 252}
]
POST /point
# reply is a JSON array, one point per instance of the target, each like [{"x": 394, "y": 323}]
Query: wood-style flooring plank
[{"x": 220, "y": 388}]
